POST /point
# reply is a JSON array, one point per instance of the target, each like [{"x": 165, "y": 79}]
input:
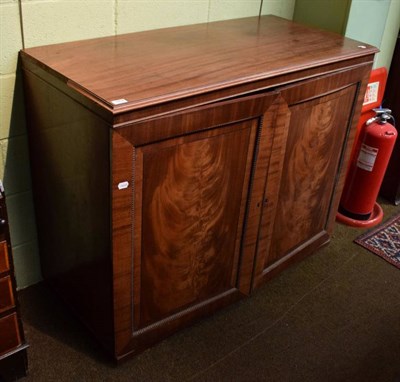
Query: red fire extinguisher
[{"x": 358, "y": 205}]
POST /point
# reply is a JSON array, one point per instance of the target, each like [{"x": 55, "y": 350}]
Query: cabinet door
[
  {"x": 302, "y": 199},
  {"x": 182, "y": 187},
  {"x": 192, "y": 199}
]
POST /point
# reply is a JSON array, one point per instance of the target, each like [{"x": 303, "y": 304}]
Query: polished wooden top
[{"x": 161, "y": 65}]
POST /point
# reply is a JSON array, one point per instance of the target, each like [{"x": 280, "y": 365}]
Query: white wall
[{"x": 375, "y": 22}]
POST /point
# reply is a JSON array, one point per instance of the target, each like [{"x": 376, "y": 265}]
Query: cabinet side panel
[{"x": 69, "y": 150}]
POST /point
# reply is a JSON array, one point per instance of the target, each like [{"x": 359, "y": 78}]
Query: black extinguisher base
[
  {"x": 375, "y": 218},
  {"x": 353, "y": 215}
]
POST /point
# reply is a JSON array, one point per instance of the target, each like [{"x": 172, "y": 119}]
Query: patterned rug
[{"x": 384, "y": 240}]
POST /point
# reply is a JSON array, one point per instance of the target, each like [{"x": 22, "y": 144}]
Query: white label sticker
[
  {"x": 371, "y": 95},
  {"x": 123, "y": 185},
  {"x": 119, "y": 101},
  {"x": 367, "y": 157}
]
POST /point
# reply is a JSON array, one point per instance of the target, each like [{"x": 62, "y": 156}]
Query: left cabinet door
[{"x": 182, "y": 186}]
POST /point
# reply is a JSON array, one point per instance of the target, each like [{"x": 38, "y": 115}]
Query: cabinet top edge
[{"x": 129, "y": 71}]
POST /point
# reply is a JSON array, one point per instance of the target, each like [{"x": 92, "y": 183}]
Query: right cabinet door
[{"x": 302, "y": 185}]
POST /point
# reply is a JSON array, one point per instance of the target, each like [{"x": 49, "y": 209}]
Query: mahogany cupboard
[{"x": 176, "y": 170}]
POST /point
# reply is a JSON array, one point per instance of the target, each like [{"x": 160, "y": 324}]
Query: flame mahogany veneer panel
[
  {"x": 191, "y": 198},
  {"x": 315, "y": 139}
]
